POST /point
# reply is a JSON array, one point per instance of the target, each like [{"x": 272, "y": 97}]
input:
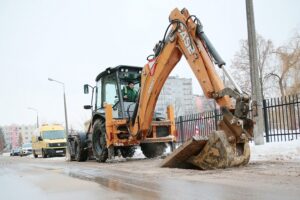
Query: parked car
[
  {"x": 26, "y": 149},
  {"x": 15, "y": 152}
]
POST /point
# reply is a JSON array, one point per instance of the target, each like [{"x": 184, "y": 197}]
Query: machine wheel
[
  {"x": 128, "y": 152},
  {"x": 151, "y": 150},
  {"x": 34, "y": 154},
  {"x": 100, "y": 150},
  {"x": 44, "y": 155},
  {"x": 80, "y": 153}
]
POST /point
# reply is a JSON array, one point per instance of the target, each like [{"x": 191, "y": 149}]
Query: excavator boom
[{"x": 226, "y": 147}]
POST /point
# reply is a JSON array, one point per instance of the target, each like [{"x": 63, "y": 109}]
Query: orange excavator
[{"x": 118, "y": 125}]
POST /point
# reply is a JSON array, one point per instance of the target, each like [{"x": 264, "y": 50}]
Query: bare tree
[
  {"x": 288, "y": 70},
  {"x": 241, "y": 65},
  {"x": 287, "y": 75}
]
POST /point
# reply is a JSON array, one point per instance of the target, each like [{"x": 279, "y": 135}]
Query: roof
[
  {"x": 110, "y": 70},
  {"x": 56, "y": 127}
]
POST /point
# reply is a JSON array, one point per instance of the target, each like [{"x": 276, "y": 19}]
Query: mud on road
[{"x": 22, "y": 178}]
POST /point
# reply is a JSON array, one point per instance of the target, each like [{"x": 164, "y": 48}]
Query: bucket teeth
[
  {"x": 219, "y": 153},
  {"x": 214, "y": 153}
]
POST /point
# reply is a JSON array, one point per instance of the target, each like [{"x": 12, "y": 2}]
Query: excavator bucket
[{"x": 212, "y": 153}]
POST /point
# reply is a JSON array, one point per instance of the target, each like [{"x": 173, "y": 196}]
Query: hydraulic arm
[{"x": 224, "y": 148}]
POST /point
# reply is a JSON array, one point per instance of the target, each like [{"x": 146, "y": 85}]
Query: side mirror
[
  {"x": 40, "y": 138},
  {"x": 86, "y": 88},
  {"x": 87, "y": 107}
]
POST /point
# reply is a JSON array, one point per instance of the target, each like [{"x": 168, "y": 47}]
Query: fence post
[
  {"x": 216, "y": 118},
  {"x": 181, "y": 128},
  {"x": 216, "y": 115},
  {"x": 266, "y": 119}
]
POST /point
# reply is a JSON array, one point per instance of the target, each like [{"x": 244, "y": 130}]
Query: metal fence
[
  {"x": 281, "y": 120},
  {"x": 197, "y": 124}
]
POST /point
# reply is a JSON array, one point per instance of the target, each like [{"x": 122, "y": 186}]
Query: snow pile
[
  {"x": 273, "y": 151},
  {"x": 138, "y": 153},
  {"x": 276, "y": 151},
  {"x": 6, "y": 154}
]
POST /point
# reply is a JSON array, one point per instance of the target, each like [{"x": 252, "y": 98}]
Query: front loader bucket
[{"x": 216, "y": 152}]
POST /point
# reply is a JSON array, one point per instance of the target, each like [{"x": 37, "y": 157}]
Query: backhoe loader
[{"x": 117, "y": 125}]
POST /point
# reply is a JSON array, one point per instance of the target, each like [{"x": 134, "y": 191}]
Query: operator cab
[{"x": 109, "y": 86}]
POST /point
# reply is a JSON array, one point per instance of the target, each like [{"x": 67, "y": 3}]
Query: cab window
[
  {"x": 98, "y": 95},
  {"x": 110, "y": 88}
]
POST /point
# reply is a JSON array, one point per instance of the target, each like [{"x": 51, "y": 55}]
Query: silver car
[{"x": 26, "y": 149}]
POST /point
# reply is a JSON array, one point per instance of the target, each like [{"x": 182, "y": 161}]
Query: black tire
[
  {"x": 34, "y": 154},
  {"x": 128, "y": 152},
  {"x": 100, "y": 150},
  {"x": 81, "y": 154},
  {"x": 44, "y": 154},
  {"x": 152, "y": 150}
]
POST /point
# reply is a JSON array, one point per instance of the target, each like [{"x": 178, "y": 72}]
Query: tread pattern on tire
[
  {"x": 100, "y": 150},
  {"x": 80, "y": 153}
]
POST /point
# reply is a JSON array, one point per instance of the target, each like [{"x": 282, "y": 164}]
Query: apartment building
[
  {"x": 13, "y": 134},
  {"x": 177, "y": 92}
]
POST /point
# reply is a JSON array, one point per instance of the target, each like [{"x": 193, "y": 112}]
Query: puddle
[{"x": 126, "y": 186}]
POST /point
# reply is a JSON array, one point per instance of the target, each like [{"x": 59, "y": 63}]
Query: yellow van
[{"x": 49, "y": 141}]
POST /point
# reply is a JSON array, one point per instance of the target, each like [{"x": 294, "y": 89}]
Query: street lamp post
[
  {"x": 37, "y": 115},
  {"x": 65, "y": 109}
]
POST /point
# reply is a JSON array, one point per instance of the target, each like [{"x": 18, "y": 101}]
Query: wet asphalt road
[{"x": 26, "y": 177}]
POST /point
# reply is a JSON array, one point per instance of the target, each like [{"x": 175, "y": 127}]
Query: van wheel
[
  {"x": 44, "y": 155},
  {"x": 35, "y": 155}
]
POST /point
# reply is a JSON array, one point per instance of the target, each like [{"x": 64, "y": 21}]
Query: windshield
[
  {"x": 26, "y": 145},
  {"x": 57, "y": 134},
  {"x": 133, "y": 77}
]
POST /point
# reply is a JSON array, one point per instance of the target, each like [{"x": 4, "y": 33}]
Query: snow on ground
[
  {"x": 276, "y": 151},
  {"x": 273, "y": 151},
  {"x": 138, "y": 153},
  {"x": 6, "y": 154}
]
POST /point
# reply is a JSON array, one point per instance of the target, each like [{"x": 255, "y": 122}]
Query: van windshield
[{"x": 57, "y": 134}]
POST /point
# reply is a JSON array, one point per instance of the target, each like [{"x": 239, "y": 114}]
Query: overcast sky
[{"x": 72, "y": 41}]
